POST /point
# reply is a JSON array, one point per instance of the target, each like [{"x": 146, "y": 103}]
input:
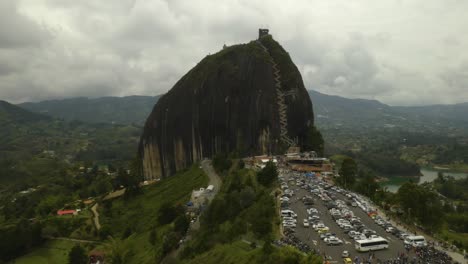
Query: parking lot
[{"x": 320, "y": 195}]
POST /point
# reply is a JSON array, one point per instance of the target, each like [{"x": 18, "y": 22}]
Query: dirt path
[
  {"x": 75, "y": 240},
  {"x": 115, "y": 194},
  {"x": 96, "y": 216}
]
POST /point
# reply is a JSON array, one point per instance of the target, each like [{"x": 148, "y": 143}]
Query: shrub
[{"x": 77, "y": 255}]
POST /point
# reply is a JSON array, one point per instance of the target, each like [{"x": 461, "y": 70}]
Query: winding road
[{"x": 215, "y": 180}]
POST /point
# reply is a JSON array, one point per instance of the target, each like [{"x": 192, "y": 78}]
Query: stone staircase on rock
[{"x": 280, "y": 100}]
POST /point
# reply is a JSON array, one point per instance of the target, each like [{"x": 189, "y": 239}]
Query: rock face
[{"x": 247, "y": 98}]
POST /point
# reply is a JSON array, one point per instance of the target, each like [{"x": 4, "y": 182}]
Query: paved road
[
  {"x": 96, "y": 216},
  {"x": 215, "y": 180},
  {"x": 311, "y": 237}
]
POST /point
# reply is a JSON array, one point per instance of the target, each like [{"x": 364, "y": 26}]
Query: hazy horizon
[{"x": 142, "y": 95}]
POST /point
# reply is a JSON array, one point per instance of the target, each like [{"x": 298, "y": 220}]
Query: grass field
[
  {"x": 52, "y": 252},
  {"x": 141, "y": 212},
  {"x": 452, "y": 236}
]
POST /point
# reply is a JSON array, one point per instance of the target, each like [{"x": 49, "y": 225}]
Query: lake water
[{"x": 428, "y": 175}]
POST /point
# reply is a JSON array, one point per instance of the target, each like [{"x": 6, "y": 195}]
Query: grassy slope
[
  {"x": 140, "y": 213},
  {"x": 236, "y": 252},
  {"x": 52, "y": 252}
]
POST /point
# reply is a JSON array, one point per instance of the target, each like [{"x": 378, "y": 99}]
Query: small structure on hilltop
[
  {"x": 67, "y": 212},
  {"x": 262, "y": 32}
]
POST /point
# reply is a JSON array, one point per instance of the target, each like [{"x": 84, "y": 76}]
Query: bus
[{"x": 371, "y": 244}]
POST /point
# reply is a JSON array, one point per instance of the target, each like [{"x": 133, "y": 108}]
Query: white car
[
  {"x": 314, "y": 217},
  {"x": 333, "y": 241},
  {"x": 305, "y": 223},
  {"x": 352, "y": 234},
  {"x": 289, "y": 219},
  {"x": 318, "y": 225},
  {"x": 312, "y": 211}
]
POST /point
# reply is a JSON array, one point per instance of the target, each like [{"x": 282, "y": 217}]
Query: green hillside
[
  {"x": 121, "y": 110},
  {"x": 34, "y": 145}
]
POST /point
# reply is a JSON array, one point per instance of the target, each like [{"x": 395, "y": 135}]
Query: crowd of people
[
  {"x": 422, "y": 255},
  {"x": 291, "y": 240}
]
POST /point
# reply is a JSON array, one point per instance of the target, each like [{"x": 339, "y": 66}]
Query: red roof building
[{"x": 66, "y": 212}]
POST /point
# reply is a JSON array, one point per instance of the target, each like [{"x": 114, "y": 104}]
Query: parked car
[
  {"x": 305, "y": 223},
  {"x": 352, "y": 234},
  {"x": 333, "y": 241}
]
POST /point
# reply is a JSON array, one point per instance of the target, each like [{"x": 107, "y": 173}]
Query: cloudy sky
[{"x": 402, "y": 52}]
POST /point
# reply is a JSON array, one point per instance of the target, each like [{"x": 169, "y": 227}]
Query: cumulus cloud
[{"x": 399, "y": 52}]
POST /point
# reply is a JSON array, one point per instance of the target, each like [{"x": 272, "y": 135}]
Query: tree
[
  {"x": 134, "y": 179},
  {"x": 422, "y": 205},
  {"x": 105, "y": 231},
  {"x": 181, "y": 224},
  {"x": 152, "y": 237},
  {"x": 221, "y": 162},
  {"x": 348, "y": 173},
  {"x": 170, "y": 242},
  {"x": 366, "y": 184},
  {"x": 262, "y": 226},
  {"x": 167, "y": 213},
  {"x": 246, "y": 197},
  {"x": 128, "y": 232},
  {"x": 241, "y": 164},
  {"x": 314, "y": 141},
  {"x": 268, "y": 174},
  {"x": 77, "y": 255},
  {"x": 122, "y": 178}
]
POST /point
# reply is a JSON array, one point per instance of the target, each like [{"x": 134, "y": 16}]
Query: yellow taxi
[{"x": 347, "y": 261}]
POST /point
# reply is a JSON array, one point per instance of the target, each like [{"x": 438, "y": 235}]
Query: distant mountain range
[
  {"x": 330, "y": 112},
  {"x": 121, "y": 110},
  {"x": 13, "y": 113},
  {"x": 358, "y": 114}
]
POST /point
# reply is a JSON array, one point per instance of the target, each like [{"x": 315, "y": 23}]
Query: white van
[{"x": 416, "y": 241}]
